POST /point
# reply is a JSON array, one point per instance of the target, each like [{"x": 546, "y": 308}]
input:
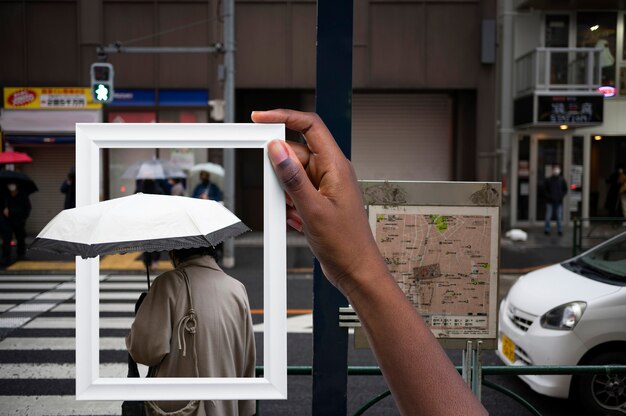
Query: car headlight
[{"x": 564, "y": 317}]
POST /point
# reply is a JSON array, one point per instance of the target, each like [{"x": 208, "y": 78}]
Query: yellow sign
[{"x": 52, "y": 98}]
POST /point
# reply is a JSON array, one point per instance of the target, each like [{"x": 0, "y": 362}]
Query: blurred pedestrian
[
  {"x": 207, "y": 189},
  {"x": 622, "y": 190},
  {"x": 555, "y": 189},
  {"x": 178, "y": 188},
  {"x": 68, "y": 187},
  {"x": 612, "y": 202},
  {"x": 15, "y": 211},
  {"x": 195, "y": 322}
]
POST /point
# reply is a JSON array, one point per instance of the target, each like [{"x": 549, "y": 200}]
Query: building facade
[
  {"x": 424, "y": 78},
  {"x": 570, "y": 57}
]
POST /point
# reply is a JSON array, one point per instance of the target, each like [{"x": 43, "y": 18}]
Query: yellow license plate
[{"x": 508, "y": 348}]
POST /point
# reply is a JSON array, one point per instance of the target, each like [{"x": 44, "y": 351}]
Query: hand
[
  {"x": 323, "y": 198},
  {"x": 5, "y": 212}
]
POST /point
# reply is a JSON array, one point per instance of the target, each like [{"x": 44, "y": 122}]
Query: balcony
[{"x": 558, "y": 70}]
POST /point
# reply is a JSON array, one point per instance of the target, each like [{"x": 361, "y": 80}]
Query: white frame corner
[{"x": 90, "y": 138}]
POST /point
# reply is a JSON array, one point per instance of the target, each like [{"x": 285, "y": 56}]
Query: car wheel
[{"x": 603, "y": 394}]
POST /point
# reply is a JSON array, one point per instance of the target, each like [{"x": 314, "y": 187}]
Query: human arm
[{"x": 324, "y": 202}]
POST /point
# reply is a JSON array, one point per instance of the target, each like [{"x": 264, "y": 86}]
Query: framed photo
[{"x": 90, "y": 139}]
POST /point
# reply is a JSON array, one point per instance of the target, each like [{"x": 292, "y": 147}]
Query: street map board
[{"x": 443, "y": 257}]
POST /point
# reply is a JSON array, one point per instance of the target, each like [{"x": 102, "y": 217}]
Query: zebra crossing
[
  {"x": 37, "y": 341},
  {"x": 37, "y": 346}
]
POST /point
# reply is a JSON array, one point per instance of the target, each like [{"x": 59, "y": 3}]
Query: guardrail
[
  {"x": 594, "y": 230},
  {"x": 486, "y": 371}
]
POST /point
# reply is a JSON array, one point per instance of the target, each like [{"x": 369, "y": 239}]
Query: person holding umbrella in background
[
  {"x": 16, "y": 209},
  {"x": 206, "y": 189}
]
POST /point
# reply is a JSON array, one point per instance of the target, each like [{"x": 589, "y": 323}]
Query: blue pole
[{"x": 333, "y": 103}]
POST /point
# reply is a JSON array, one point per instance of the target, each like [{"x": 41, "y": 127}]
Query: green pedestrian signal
[{"x": 102, "y": 75}]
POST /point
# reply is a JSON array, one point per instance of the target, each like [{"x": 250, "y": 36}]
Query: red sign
[{"x": 22, "y": 97}]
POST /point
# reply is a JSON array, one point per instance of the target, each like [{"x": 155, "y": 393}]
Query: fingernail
[
  {"x": 277, "y": 152},
  {"x": 295, "y": 225}
]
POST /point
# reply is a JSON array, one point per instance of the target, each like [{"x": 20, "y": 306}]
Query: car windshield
[{"x": 606, "y": 263}]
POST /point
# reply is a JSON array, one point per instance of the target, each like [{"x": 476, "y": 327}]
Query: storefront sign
[
  {"x": 166, "y": 98},
  {"x": 556, "y": 110},
  {"x": 570, "y": 109},
  {"x": 49, "y": 98}
]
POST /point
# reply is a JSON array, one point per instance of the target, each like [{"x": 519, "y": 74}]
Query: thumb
[{"x": 291, "y": 174}]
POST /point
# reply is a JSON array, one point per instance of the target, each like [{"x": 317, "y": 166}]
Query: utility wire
[{"x": 167, "y": 31}]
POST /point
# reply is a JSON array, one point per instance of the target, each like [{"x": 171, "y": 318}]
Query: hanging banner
[{"x": 49, "y": 98}]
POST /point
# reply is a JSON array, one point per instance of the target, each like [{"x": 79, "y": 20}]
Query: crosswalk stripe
[
  {"x": 119, "y": 295},
  {"x": 56, "y": 343},
  {"x": 35, "y": 278},
  {"x": 58, "y": 371},
  {"x": 66, "y": 322},
  {"x": 18, "y": 295},
  {"x": 28, "y": 285},
  {"x": 104, "y": 307},
  {"x": 56, "y": 405}
]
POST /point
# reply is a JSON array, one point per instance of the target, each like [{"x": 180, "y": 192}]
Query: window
[{"x": 599, "y": 30}]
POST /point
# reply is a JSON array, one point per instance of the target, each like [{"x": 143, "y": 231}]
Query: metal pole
[
  {"x": 229, "y": 117},
  {"x": 507, "y": 132},
  {"x": 333, "y": 102}
]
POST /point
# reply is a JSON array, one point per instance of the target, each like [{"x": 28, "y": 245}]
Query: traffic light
[{"x": 102, "y": 75}]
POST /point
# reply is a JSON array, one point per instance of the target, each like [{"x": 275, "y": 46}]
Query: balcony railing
[{"x": 558, "y": 69}]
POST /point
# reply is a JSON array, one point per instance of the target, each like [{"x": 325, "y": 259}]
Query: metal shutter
[
  {"x": 402, "y": 136},
  {"x": 49, "y": 168}
]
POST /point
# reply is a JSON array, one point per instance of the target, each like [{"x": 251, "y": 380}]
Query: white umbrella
[
  {"x": 153, "y": 169},
  {"x": 139, "y": 222},
  {"x": 216, "y": 171}
]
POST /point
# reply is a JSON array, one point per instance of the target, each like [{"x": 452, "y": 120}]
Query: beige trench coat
[{"x": 224, "y": 339}]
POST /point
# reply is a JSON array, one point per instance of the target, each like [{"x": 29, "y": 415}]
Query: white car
[{"x": 573, "y": 313}]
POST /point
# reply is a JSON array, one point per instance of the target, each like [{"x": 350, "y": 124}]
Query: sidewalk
[
  {"x": 39, "y": 262},
  {"x": 516, "y": 257}
]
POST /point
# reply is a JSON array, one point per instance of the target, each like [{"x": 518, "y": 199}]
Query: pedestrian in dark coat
[
  {"x": 555, "y": 189},
  {"x": 15, "y": 211},
  {"x": 68, "y": 187}
]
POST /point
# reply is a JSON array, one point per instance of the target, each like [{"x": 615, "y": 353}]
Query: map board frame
[
  {"x": 446, "y": 197},
  {"x": 90, "y": 139}
]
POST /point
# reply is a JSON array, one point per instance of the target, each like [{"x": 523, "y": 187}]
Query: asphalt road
[{"x": 15, "y": 388}]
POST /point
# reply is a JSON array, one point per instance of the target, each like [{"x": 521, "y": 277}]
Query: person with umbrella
[
  {"x": 16, "y": 209},
  {"x": 206, "y": 189},
  {"x": 192, "y": 314},
  {"x": 195, "y": 322}
]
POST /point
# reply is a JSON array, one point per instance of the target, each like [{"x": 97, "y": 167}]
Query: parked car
[{"x": 573, "y": 313}]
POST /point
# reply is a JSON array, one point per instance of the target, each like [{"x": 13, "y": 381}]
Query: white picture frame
[{"x": 90, "y": 138}]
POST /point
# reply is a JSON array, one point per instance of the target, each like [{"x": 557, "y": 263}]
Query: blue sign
[
  {"x": 133, "y": 98},
  {"x": 184, "y": 98}
]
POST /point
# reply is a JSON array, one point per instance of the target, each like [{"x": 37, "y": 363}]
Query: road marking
[
  {"x": 299, "y": 324},
  {"x": 58, "y": 343},
  {"x": 56, "y": 405},
  {"x": 70, "y": 323},
  {"x": 289, "y": 311},
  {"x": 18, "y": 278},
  {"x": 28, "y": 285},
  {"x": 60, "y": 371},
  {"x": 104, "y": 307}
]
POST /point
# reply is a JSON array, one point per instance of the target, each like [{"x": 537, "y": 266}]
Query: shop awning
[{"x": 17, "y": 123}]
